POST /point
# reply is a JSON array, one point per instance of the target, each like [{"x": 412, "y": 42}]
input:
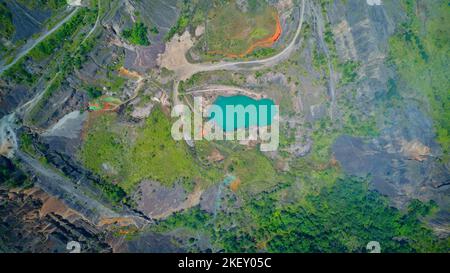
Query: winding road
[
  {"x": 187, "y": 71},
  {"x": 224, "y": 89},
  {"x": 76, "y": 195},
  {"x": 58, "y": 184},
  {"x": 31, "y": 44}
]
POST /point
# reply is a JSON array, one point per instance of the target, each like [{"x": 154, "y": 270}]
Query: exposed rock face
[
  {"x": 61, "y": 208},
  {"x": 65, "y": 101},
  {"x": 160, "y": 14},
  {"x": 221, "y": 198},
  {"x": 142, "y": 112},
  {"x": 158, "y": 201},
  {"x": 69, "y": 126},
  {"x": 149, "y": 243},
  {"x": 401, "y": 161},
  {"x": 155, "y": 199},
  {"x": 415, "y": 150},
  {"x": 33, "y": 221},
  {"x": 8, "y": 139},
  {"x": 64, "y": 136},
  {"x": 11, "y": 97},
  {"x": 209, "y": 198},
  {"x": 393, "y": 173},
  {"x": 362, "y": 32},
  {"x": 26, "y": 21}
]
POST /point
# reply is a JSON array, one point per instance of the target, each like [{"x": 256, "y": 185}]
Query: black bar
[{"x": 222, "y": 262}]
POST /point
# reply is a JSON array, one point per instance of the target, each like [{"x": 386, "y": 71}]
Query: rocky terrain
[{"x": 86, "y": 153}]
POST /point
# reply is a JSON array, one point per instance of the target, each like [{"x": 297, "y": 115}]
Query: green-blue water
[{"x": 242, "y": 120}]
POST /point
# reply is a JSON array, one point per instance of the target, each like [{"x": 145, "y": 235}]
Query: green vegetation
[
  {"x": 232, "y": 31},
  {"x": 114, "y": 193},
  {"x": 343, "y": 218},
  {"x": 52, "y": 87},
  {"x": 179, "y": 27},
  {"x": 55, "y": 41},
  {"x": 43, "y": 4},
  {"x": 154, "y": 30},
  {"x": 253, "y": 169},
  {"x": 7, "y": 29},
  {"x": 349, "y": 71},
  {"x": 323, "y": 136},
  {"x": 26, "y": 143},
  {"x": 108, "y": 151},
  {"x": 420, "y": 52},
  {"x": 10, "y": 174},
  {"x": 314, "y": 208},
  {"x": 263, "y": 53},
  {"x": 12, "y": 177},
  {"x": 137, "y": 35},
  {"x": 352, "y": 122},
  {"x": 155, "y": 151},
  {"x": 19, "y": 74},
  {"x": 113, "y": 82},
  {"x": 72, "y": 56},
  {"x": 67, "y": 54},
  {"x": 94, "y": 92},
  {"x": 191, "y": 14},
  {"x": 319, "y": 61},
  {"x": 104, "y": 145}
]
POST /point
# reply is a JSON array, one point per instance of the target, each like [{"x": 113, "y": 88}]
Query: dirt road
[{"x": 187, "y": 70}]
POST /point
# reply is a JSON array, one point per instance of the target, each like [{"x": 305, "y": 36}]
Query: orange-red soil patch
[
  {"x": 128, "y": 74},
  {"x": 266, "y": 42},
  {"x": 234, "y": 186}
]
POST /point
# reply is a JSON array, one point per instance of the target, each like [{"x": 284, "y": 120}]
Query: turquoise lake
[{"x": 241, "y": 119}]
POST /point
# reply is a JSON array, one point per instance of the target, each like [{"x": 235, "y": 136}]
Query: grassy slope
[
  {"x": 156, "y": 155},
  {"x": 7, "y": 29},
  {"x": 153, "y": 154},
  {"x": 342, "y": 215},
  {"x": 231, "y": 31},
  {"x": 420, "y": 51}
]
